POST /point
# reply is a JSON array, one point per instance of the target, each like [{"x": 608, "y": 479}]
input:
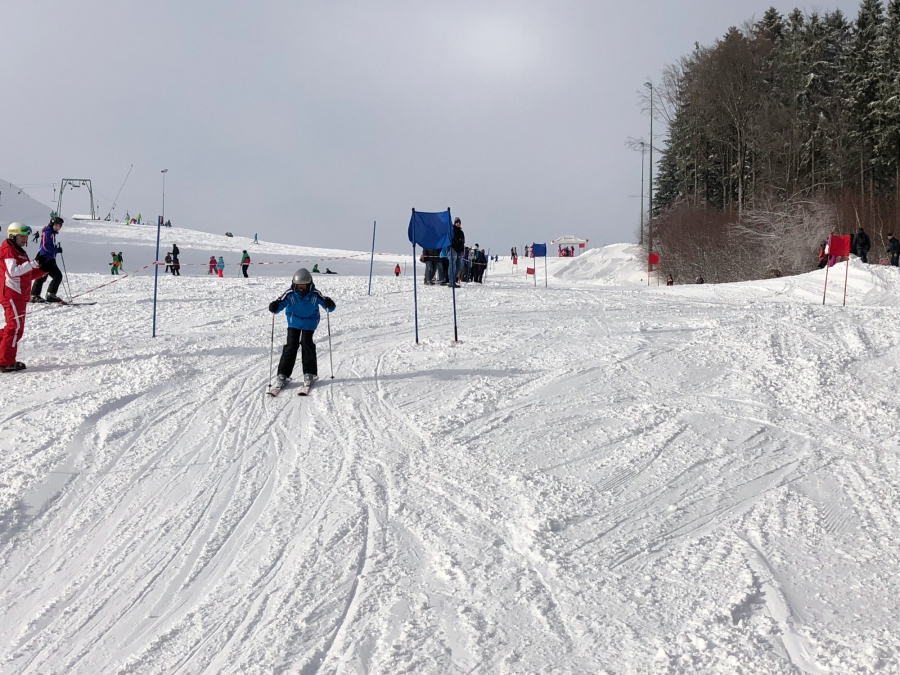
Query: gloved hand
[
  {"x": 329, "y": 304},
  {"x": 40, "y": 258},
  {"x": 58, "y": 248},
  {"x": 273, "y": 306}
]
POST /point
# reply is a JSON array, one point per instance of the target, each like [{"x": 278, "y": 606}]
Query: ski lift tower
[{"x": 73, "y": 183}]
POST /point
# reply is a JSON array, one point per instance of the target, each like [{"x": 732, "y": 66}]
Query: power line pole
[{"x": 650, "y": 182}]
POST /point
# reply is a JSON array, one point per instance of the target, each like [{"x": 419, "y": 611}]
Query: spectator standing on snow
[
  {"x": 432, "y": 258},
  {"x": 823, "y": 255},
  {"x": 46, "y": 257},
  {"x": 397, "y": 270},
  {"x": 220, "y": 267},
  {"x": 245, "y": 264},
  {"x": 139, "y": 219},
  {"x": 670, "y": 281},
  {"x": 862, "y": 245},
  {"x": 18, "y": 274},
  {"x": 114, "y": 265},
  {"x": 168, "y": 262},
  {"x": 455, "y": 253},
  {"x": 176, "y": 265},
  {"x": 894, "y": 249},
  {"x": 301, "y": 306},
  {"x": 212, "y": 264}
]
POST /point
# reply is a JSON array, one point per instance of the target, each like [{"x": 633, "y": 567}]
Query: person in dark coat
[
  {"x": 862, "y": 244},
  {"x": 432, "y": 258},
  {"x": 47, "y": 259},
  {"x": 670, "y": 281},
  {"x": 455, "y": 254},
  {"x": 894, "y": 250}
]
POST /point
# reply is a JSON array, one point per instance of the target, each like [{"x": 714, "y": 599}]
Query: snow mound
[{"x": 613, "y": 265}]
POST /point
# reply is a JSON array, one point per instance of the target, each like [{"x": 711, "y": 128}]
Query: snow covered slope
[
  {"x": 87, "y": 246},
  {"x": 596, "y": 479},
  {"x": 17, "y": 206}
]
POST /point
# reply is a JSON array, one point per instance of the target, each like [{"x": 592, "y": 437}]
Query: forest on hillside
[{"x": 781, "y": 132}]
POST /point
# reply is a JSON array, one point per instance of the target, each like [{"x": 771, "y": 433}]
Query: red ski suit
[{"x": 18, "y": 273}]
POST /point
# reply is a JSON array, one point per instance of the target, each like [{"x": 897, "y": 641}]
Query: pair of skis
[{"x": 274, "y": 390}]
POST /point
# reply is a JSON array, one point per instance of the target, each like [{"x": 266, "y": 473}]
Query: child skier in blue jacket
[{"x": 301, "y": 305}]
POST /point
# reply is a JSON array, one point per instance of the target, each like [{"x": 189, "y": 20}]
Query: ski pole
[
  {"x": 330, "y": 359},
  {"x": 66, "y": 274},
  {"x": 272, "y": 352}
]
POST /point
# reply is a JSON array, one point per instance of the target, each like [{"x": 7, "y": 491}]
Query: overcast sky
[{"x": 305, "y": 121}]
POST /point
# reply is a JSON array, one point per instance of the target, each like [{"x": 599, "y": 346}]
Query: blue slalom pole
[
  {"x": 415, "y": 290},
  {"x": 453, "y": 288},
  {"x": 372, "y": 262},
  {"x": 155, "y": 277}
]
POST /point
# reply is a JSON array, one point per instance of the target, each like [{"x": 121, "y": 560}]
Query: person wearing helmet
[
  {"x": 46, "y": 257},
  {"x": 220, "y": 267},
  {"x": 301, "y": 304},
  {"x": 18, "y": 274}
]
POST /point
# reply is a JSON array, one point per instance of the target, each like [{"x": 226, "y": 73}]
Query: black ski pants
[
  {"x": 244, "y": 270},
  {"x": 895, "y": 259},
  {"x": 52, "y": 270},
  {"x": 304, "y": 340}
]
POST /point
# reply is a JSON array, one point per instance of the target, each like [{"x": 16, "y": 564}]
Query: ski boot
[
  {"x": 37, "y": 298},
  {"x": 309, "y": 379},
  {"x": 53, "y": 297}
]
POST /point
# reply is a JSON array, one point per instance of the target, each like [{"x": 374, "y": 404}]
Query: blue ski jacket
[
  {"x": 302, "y": 309},
  {"x": 48, "y": 242}
]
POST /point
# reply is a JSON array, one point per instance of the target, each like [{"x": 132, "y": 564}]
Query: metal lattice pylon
[{"x": 76, "y": 183}]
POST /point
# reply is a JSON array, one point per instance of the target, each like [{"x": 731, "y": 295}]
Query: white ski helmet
[
  {"x": 15, "y": 229},
  {"x": 302, "y": 276}
]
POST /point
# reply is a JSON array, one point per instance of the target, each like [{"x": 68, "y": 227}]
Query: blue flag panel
[
  {"x": 430, "y": 230},
  {"x": 539, "y": 250}
]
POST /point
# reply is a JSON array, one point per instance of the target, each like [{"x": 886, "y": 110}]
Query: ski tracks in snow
[{"x": 629, "y": 480}]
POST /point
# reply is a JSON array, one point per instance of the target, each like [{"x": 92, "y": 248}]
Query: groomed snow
[{"x": 599, "y": 478}]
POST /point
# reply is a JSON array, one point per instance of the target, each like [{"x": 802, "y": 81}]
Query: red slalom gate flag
[
  {"x": 530, "y": 270},
  {"x": 653, "y": 259},
  {"x": 839, "y": 245}
]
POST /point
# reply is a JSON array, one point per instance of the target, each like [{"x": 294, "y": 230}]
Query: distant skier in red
[
  {"x": 18, "y": 274},
  {"x": 397, "y": 270}
]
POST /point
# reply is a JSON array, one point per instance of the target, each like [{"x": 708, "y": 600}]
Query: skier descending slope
[
  {"x": 18, "y": 273},
  {"x": 301, "y": 304}
]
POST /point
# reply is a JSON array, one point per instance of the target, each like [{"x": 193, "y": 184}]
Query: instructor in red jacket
[{"x": 18, "y": 273}]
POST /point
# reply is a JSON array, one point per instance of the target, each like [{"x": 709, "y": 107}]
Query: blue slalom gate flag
[
  {"x": 434, "y": 231},
  {"x": 430, "y": 230},
  {"x": 539, "y": 250}
]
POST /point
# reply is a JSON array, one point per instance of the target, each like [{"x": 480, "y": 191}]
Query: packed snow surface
[{"x": 599, "y": 477}]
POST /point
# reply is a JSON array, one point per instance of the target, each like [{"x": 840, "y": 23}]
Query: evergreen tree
[{"x": 864, "y": 88}]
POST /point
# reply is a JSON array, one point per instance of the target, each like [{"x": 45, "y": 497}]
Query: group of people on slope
[
  {"x": 860, "y": 245},
  {"x": 454, "y": 264},
  {"x": 670, "y": 280},
  {"x": 19, "y": 276},
  {"x": 173, "y": 264},
  {"x": 217, "y": 267}
]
